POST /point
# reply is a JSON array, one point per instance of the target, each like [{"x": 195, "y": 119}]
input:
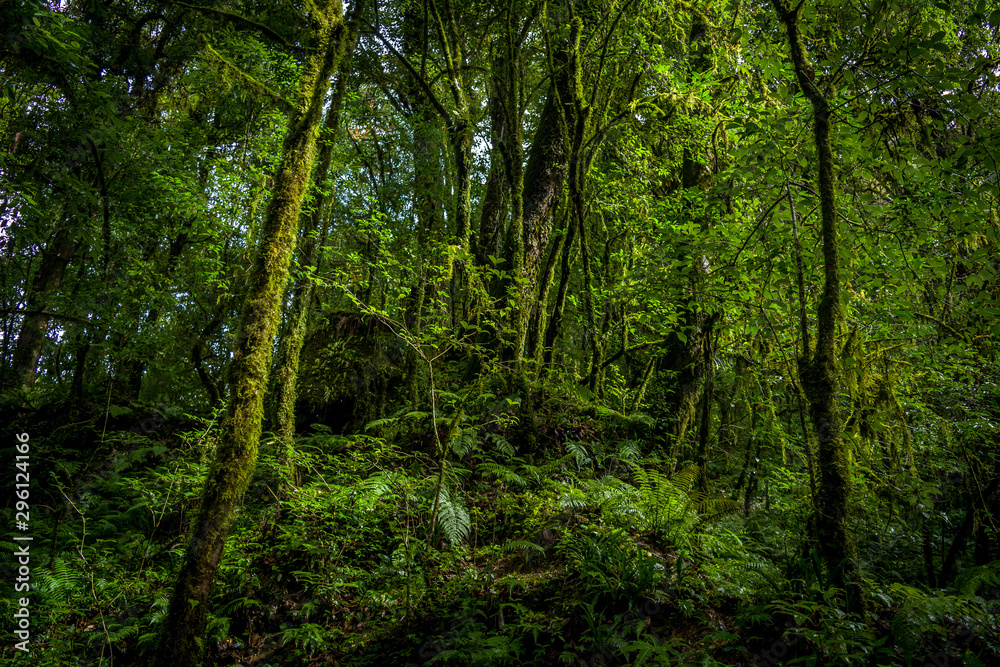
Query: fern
[
  {"x": 574, "y": 498},
  {"x": 629, "y": 450},
  {"x": 521, "y": 545},
  {"x": 503, "y": 473},
  {"x": 927, "y": 613},
  {"x": 381, "y": 423},
  {"x": 61, "y": 580},
  {"x": 978, "y": 577},
  {"x": 716, "y": 508},
  {"x": 579, "y": 452},
  {"x": 663, "y": 500},
  {"x": 117, "y": 633},
  {"x": 742, "y": 574},
  {"x": 463, "y": 442},
  {"x": 370, "y": 490},
  {"x": 453, "y": 518},
  {"x": 503, "y": 445}
]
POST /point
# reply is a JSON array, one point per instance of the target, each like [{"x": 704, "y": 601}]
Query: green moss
[{"x": 236, "y": 455}]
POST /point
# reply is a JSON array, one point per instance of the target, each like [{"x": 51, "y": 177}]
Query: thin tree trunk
[
  {"x": 819, "y": 374},
  {"x": 236, "y": 454},
  {"x": 973, "y": 519},
  {"x": 705, "y": 430},
  {"x": 566, "y": 265},
  {"x": 536, "y": 327},
  {"x": 290, "y": 347}
]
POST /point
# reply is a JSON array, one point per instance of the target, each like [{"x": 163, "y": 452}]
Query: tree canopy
[{"x": 515, "y": 332}]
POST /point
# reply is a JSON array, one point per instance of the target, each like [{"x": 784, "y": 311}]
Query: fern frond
[
  {"x": 521, "y": 545},
  {"x": 980, "y": 576},
  {"x": 715, "y": 509},
  {"x": 685, "y": 479},
  {"x": 380, "y": 423},
  {"x": 453, "y": 518},
  {"x": 463, "y": 442},
  {"x": 60, "y": 579},
  {"x": 628, "y": 450},
  {"x": 503, "y": 473},
  {"x": 574, "y": 498},
  {"x": 503, "y": 445},
  {"x": 579, "y": 452},
  {"x": 116, "y": 634}
]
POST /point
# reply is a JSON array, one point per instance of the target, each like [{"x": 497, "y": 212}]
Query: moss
[
  {"x": 236, "y": 454},
  {"x": 820, "y": 374}
]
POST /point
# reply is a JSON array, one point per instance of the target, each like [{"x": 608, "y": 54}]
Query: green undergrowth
[{"x": 593, "y": 555}]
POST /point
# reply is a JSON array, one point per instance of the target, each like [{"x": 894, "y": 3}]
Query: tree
[
  {"x": 818, "y": 368},
  {"x": 236, "y": 454}
]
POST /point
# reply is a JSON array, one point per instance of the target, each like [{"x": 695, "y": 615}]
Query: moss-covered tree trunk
[
  {"x": 546, "y": 278},
  {"x": 544, "y": 178},
  {"x": 236, "y": 454},
  {"x": 819, "y": 372},
  {"x": 290, "y": 347}
]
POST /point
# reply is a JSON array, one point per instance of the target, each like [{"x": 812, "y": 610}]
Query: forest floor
[{"x": 587, "y": 554}]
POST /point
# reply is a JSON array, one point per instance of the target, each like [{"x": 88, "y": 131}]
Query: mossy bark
[
  {"x": 819, "y": 373},
  {"x": 704, "y": 454},
  {"x": 565, "y": 273},
  {"x": 290, "y": 346},
  {"x": 536, "y": 326},
  {"x": 544, "y": 177},
  {"x": 497, "y": 238},
  {"x": 236, "y": 453}
]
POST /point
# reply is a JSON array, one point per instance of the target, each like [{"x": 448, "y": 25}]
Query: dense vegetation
[{"x": 521, "y": 332}]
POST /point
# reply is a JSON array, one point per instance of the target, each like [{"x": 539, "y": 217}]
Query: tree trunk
[
  {"x": 819, "y": 374},
  {"x": 57, "y": 254},
  {"x": 236, "y": 454},
  {"x": 566, "y": 266},
  {"x": 536, "y": 326},
  {"x": 290, "y": 346},
  {"x": 427, "y": 183}
]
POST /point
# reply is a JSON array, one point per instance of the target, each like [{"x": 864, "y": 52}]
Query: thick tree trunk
[
  {"x": 236, "y": 453},
  {"x": 544, "y": 177},
  {"x": 496, "y": 238},
  {"x": 819, "y": 374}
]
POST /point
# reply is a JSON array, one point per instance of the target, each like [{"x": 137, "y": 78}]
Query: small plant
[
  {"x": 611, "y": 565},
  {"x": 308, "y": 637}
]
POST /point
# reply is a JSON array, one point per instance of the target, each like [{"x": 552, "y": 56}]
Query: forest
[{"x": 519, "y": 332}]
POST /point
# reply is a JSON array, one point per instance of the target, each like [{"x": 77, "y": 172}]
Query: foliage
[{"x": 558, "y": 267}]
